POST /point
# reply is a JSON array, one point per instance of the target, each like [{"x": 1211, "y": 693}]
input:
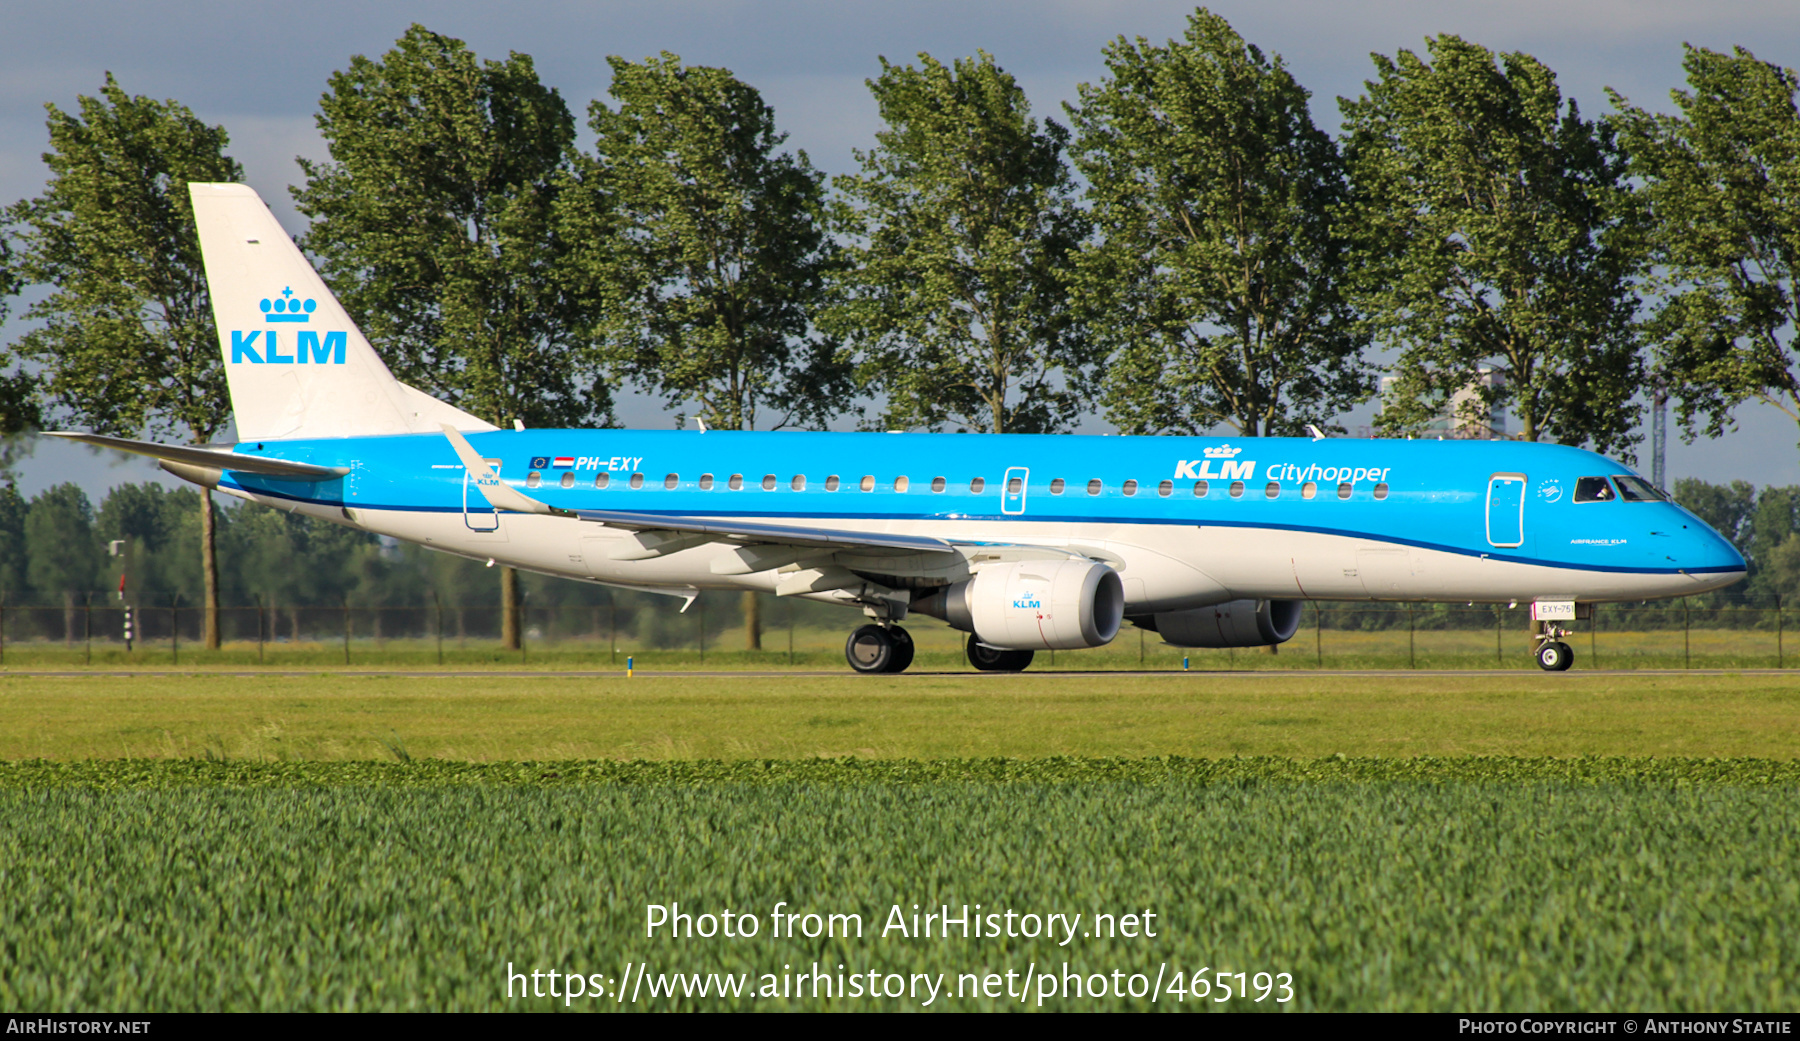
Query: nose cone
[{"x": 1707, "y": 557}]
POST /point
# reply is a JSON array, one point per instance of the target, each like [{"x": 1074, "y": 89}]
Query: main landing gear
[
  {"x": 993, "y": 659},
  {"x": 879, "y": 648}
]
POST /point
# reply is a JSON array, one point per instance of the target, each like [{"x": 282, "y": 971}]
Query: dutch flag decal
[{"x": 564, "y": 462}]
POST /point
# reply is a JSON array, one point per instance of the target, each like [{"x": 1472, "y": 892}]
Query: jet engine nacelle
[
  {"x": 1034, "y": 605},
  {"x": 1240, "y": 623}
]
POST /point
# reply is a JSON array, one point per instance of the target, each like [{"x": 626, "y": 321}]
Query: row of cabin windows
[{"x": 1201, "y": 489}]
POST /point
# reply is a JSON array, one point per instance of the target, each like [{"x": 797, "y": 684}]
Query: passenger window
[
  {"x": 1594, "y": 489},
  {"x": 671, "y": 481},
  {"x": 736, "y": 482},
  {"x": 1200, "y": 489},
  {"x": 1130, "y": 488},
  {"x": 798, "y": 483},
  {"x": 637, "y": 480},
  {"x": 1237, "y": 489},
  {"x": 1344, "y": 490},
  {"x": 1165, "y": 489},
  {"x": 976, "y": 485},
  {"x": 768, "y": 482},
  {"x": 568, "y": 479},
  {"x": 533, "y": 479},
  {"x": 1381, "y": 490},
  {"x": 1272, "y": 490},
  {"x": 1094, "y": 486},
  {"x": 706, "y": 482},
  {"x": 937, "y": 484},
  {"x": 900, "y": 484},
  {"x": 602, "y": 480},
  {"x": 868, "y": 483},
  {"x": 1015, "y": 485},
  {"x": 1056, "y": 486},
  {"x": 831, "y": 483},
  {"x": 1636, "y": 489},
  {"x": 1309, "y": 489}
]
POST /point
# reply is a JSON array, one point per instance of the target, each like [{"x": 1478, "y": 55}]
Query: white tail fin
[{"x": 297, "y": 366}]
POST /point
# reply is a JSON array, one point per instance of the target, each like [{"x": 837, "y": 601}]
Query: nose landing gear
[
  {"x": 1555, "y": 656},
  {"x": 876, "y": 648}
]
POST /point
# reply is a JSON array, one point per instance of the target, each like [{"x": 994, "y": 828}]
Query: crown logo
[
  {"x": 285, "y": 308},
  {"x": 1220, "y": 452}
]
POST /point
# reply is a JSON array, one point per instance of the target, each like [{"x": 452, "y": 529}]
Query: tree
[
  {"x": 1217, "y": 280},
  {"x": 14, "y": 582},
  {"x": 709, "y": 249},
  {"x": 64, "y": 557},
  {"x": 1721, "y": 183},
  {"x": 20, "y": 406},
  {"x": 965, "y": 227},
  {"x": 1495, "y": 235},
  {"x": 127, "y": 342},
  {"x": 435, "y": 224}
]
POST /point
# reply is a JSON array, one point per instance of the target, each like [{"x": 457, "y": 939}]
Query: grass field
[
  {"x": 913, "y": 716},
  {"x": 1510, "y": 841},
  {"x": 1449, "y": 885}
]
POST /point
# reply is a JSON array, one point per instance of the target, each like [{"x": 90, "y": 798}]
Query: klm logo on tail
[{"x": 309, "y": 348}]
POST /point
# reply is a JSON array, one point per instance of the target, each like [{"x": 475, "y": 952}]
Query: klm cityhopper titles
[{"x": 1024, "y": 542}]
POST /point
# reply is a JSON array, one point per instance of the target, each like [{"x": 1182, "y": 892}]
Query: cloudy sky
[{"x": 259, "y": 69}]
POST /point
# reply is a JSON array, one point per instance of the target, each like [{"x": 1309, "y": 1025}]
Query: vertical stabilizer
[{"x": 297, "y": 366}]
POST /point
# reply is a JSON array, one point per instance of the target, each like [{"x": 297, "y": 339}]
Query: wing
[
  {"x": 756, "y": 531},
  {"x": 212, "y": 458}
]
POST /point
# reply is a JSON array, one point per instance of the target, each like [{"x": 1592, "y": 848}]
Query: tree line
[{"x": 1190, "y": 251}]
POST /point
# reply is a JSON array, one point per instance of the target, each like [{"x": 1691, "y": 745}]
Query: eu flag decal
[{"x": 540, "y": 462}]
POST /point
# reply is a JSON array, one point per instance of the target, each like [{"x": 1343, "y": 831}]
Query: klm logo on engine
[
  {"x": 1027, "y": 602},
  {"x": 265, "y": 346}
]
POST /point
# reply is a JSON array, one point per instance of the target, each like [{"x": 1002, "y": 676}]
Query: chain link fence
[{"x": 1701, "y": 632}]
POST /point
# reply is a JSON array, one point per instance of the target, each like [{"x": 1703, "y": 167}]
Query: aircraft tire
[
  {"x": 1555, "y": 657},
  {"x": 991, "y": 659},
  {"x": 870, "y": 649},
  {"x": 903, "y": 649}
]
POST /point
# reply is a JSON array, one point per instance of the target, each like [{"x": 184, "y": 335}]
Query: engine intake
[
  {"x": 1240, "y": 623},
  {"x": 1034, "y": 605}
]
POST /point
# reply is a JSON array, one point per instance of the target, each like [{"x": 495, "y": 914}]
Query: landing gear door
[
  {"x": 1012, "y": 493},
  {"x": 1506, "y": 511},
  {"x": 478, "y": 514}
]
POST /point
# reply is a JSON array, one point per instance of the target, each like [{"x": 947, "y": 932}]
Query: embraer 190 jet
[{"x": 1024, "y": 542}]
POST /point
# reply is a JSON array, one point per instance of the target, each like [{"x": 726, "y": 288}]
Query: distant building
[{"x": 1462, "y": 417}]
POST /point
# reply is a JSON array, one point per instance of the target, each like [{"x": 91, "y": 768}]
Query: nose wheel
[
  {"x": 875, "y": 648},
  {"x": 1555, "y": 656}
]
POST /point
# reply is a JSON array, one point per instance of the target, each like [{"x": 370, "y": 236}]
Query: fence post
[
  {"x": 1687, "y": 658},
  {"x": 87, "y": 630},
  {"x": 1318, "y": 635},
  {"x": 1412, "y": 660},
  {"x": 175, "y": 627},
  {"x": 2, "y": 628},
  {"x": 702, "y": 599},
  {"x": 438, "y": 603},
  {"x": 259, "y": 629},
  {"x": 790, "y": 632},
  {"x": 1593, "y": 631},
  {"x": 1779, "y": 656},
  {"x": 346, "y": 630},
  {"x": 612, "y": 627}
]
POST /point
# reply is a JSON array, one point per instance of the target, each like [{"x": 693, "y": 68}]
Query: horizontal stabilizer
[{"x": 215, "y": 458}]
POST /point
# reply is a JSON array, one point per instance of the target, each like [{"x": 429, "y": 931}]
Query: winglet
[{"x": 498, "y": 495}]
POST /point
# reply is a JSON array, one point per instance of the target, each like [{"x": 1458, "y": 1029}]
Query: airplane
[{"x": 1024, "y": 542}]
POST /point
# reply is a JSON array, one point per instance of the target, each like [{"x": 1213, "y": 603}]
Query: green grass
[
  {"x": 1465, "y": 884},
  {"x": 671, "y": 716}
]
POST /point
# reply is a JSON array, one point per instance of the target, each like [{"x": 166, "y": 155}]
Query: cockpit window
[
  {"x": 1636, "y": 489},
  {"x": 1593, "y": 489}
]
